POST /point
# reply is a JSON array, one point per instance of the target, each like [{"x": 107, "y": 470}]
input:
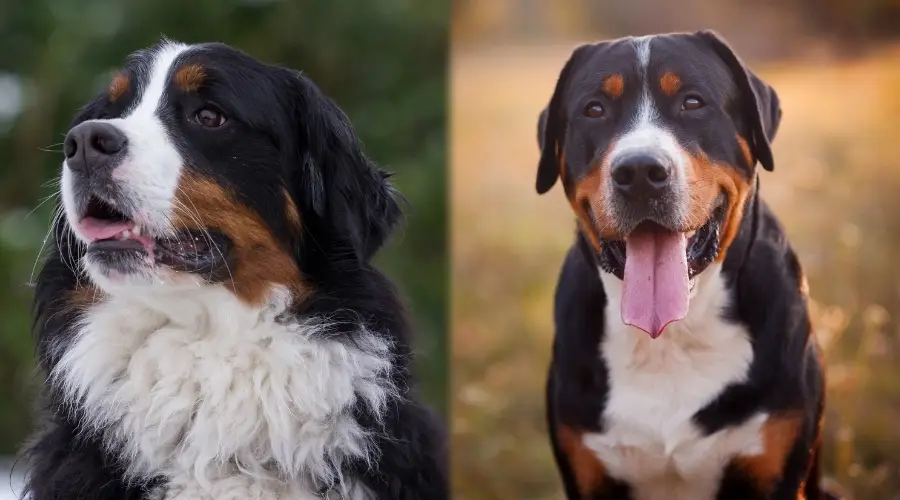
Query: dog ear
[
  {"x": 542, "y": 126},
  {"x": 552, "y": 127},
  {"x": 336, "y": 181},
  {"x": 761, "y": 103}
]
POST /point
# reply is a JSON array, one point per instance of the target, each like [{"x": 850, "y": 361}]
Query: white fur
[
  {"x": 246, "y": 488},
  {"x": 657, "y": 385},
  {"x": 648, "y": 135},
  {"x": 223, "y": 399},
  {"x": 642, "y": 48}
]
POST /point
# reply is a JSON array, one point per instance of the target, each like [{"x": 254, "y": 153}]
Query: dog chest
[
  {"x": 672, "y": 461},
  {"x": 209, "y": 391},
  {"x": 655, "y": 388}
]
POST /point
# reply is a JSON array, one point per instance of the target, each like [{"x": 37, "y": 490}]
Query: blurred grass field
[{"x": 836, "y": 187}]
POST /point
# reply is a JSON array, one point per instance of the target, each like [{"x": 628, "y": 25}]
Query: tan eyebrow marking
[
  {"x": 189, "y": 78},
  {"x": 118, "y": 86},
  {"x": 670, "y": 83},
  {"x": 613, "y": 86}
]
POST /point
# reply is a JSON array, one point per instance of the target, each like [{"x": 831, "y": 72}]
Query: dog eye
[
  {"x": 210, "y": 117},
  {"x": 593, "y": 110},
  {"x": 691, "y": 103}
]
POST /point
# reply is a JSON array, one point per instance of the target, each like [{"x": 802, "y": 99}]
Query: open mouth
[
  {"x": 118, "y": 241},
  {"x": 658, "y": 268},
  {"x": 701, "y": 250}
]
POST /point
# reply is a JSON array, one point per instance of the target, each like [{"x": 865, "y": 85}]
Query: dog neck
[{"x": 708, "y": 299}]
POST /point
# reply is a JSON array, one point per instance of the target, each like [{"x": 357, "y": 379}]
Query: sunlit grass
[{"x": 836, "y": 188}]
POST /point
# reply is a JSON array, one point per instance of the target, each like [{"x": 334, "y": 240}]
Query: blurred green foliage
[{"x": 383, "y": 62}]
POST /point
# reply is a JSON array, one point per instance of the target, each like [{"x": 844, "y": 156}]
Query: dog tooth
[{"x": 136, "y": 230}]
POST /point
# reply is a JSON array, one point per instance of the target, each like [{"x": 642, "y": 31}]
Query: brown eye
[
  {"x": 210, "y": 118},
  {"x": 692, "y": 102},
  {"x": 593, "y": 110}
]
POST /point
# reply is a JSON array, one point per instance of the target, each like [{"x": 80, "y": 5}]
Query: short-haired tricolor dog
[
  {"x": 684, "y": 367},
  {"x": 209, "y": 321}
]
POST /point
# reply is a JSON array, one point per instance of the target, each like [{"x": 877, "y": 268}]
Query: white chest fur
[
  {"x": 656, "y": 386},
  {"x": 225, "y": 400}
]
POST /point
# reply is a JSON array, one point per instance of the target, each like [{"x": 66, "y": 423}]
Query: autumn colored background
[
  {"x": 383, "y": 62},
  {"x": 836, "y": 67}
]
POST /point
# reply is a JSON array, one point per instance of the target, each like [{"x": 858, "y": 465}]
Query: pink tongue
[
  {"x": 656, "y": 290},
  {"x": 97, "y": 229}
]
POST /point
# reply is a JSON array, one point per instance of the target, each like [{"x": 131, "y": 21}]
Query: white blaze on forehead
[
  {"x": 647, "y": 114},
  {"x": 157, "y": 76},
  {"x": 642, "y": 46}
]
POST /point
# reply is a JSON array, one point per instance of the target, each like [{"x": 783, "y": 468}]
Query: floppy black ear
[
  {"x": 760, "y": 100},
  {"x": 552, "y": 127},
  {"x": 542, "y": 127},
  {"x": 336, "y": 180}
]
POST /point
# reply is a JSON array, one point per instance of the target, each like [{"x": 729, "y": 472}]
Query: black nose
[
  {"x": 93, "y": 145},
  {"x": 641, "y": 176}
]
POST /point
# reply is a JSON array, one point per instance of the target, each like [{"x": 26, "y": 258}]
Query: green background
[{"x": 382, "y": 61}]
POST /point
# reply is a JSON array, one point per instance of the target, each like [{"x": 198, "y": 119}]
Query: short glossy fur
[
  {"x": 292, "y": 300},
  {"x": 727, "y": 403}
]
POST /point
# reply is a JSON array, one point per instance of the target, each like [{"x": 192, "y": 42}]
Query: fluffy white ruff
[
  {"x": 222, "y": 399},
  {"x": 657, "y": 385},
  {"x": 238, "y": 487}
]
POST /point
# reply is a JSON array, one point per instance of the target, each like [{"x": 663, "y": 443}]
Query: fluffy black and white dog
[{"x": 208, "y": 320}]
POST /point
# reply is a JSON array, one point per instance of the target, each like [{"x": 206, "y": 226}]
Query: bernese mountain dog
[
  {"x": 684, "y": 366},
  {"x": 208, "y": 320}
]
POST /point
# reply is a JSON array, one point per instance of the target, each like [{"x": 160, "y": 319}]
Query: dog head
[
  {"x": 202, "y": 165},
  {"x": 656, "y": 140}
]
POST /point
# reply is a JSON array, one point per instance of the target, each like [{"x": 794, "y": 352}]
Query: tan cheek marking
[
  {"x": 190, "y": 78},
  {"x": 589, "y": 472},
  {"x": 670, "y": 83},
  {"x": 258, "y": 260},
  {"x": 708, "y": 179},
  {"x": 745, "y": 149},
  {"x": 614, "y": 86},
  {"x": 118, "y": 86},
  {"x": 591, "y": 190},
  {"x": 779, "y": 435}
]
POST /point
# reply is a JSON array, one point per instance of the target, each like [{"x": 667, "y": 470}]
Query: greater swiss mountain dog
[{"x": 683, "y": 363}]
